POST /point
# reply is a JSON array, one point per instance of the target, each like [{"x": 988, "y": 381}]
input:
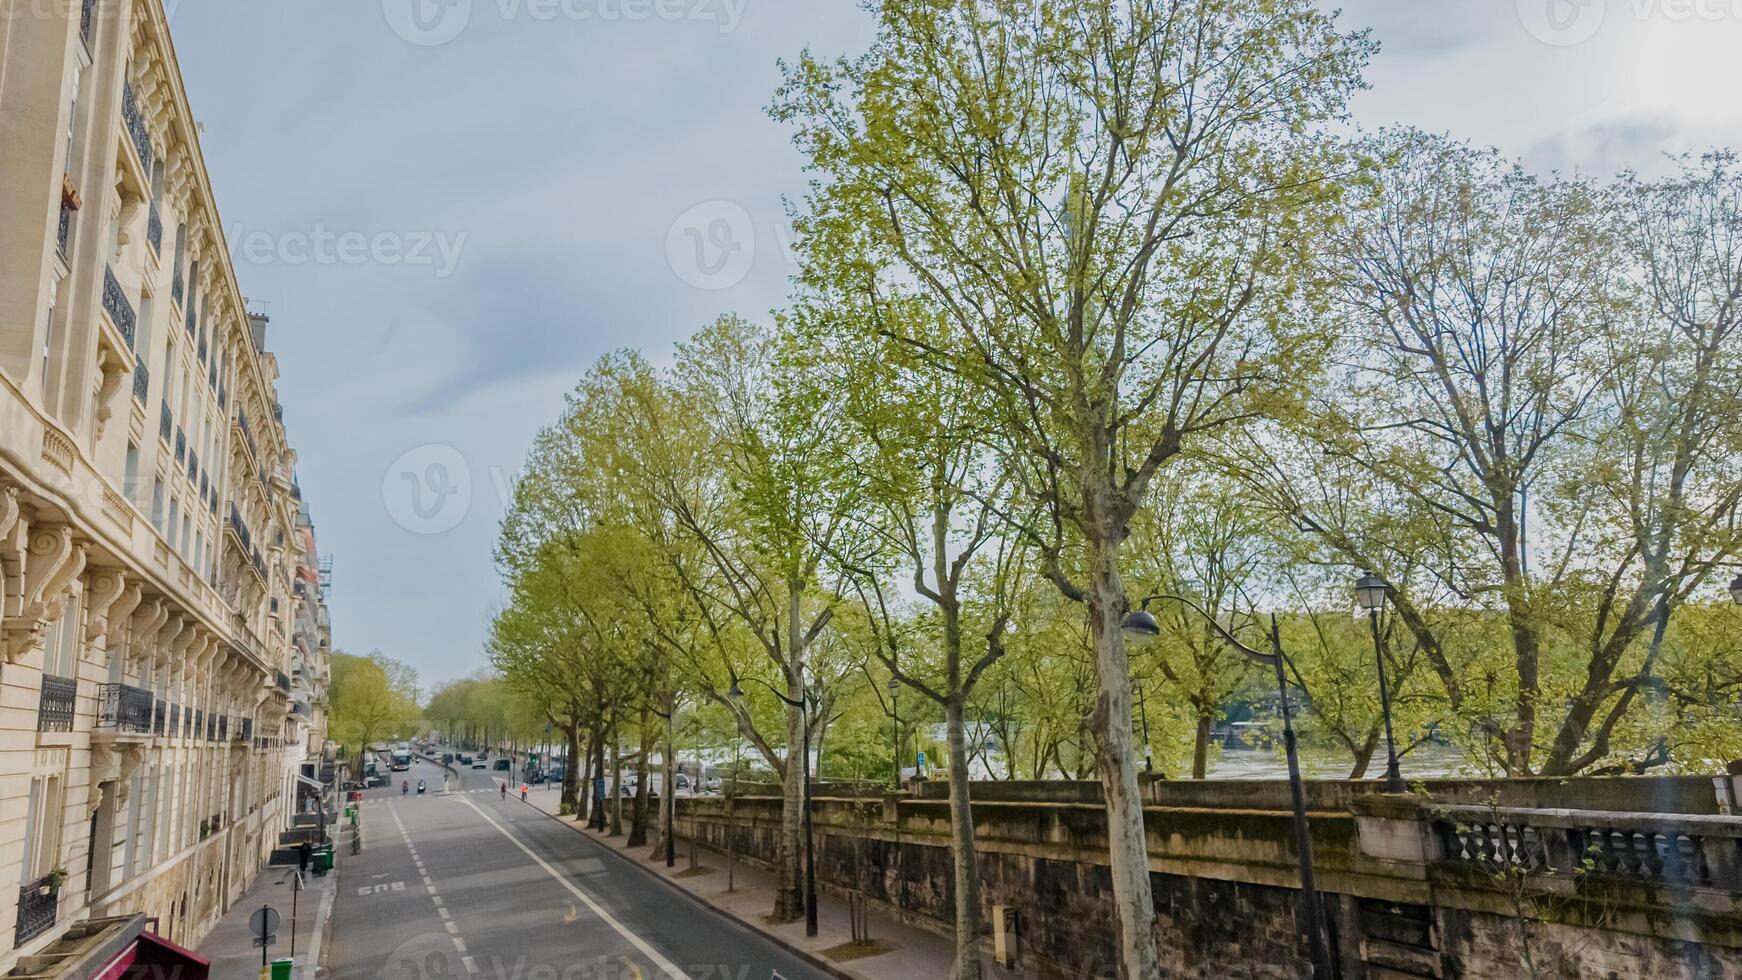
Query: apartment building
[{"x": 163, "y": 633}]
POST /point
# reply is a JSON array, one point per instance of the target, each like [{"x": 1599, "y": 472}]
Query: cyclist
[{"x": 504, "y": 785}]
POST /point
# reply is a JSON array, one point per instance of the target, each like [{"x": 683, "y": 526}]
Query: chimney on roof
[{"x": 257, "y": 329}]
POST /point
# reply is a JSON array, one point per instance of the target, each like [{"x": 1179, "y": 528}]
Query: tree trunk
[
  {"x": 1128, "y": 845},
  {"x": 789, "y": 896},
  {"x": 1364, "y": 755},
  {"x": 595, "y": 789},
  {"x": 962, "y": 853},
  {"x": 638, "y": 819},
  {"x": 571, "y": 776},
  {"x": 668, "y": 797},
  {"x": 616, "y": 804},
  {"x": 1201, "y": 747}
]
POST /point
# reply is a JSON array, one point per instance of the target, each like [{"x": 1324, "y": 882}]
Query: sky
[{"x": 450, "y": 208}]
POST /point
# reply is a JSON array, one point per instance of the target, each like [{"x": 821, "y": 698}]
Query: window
[
  {"x": 142, "y": 327},
  {"x": 157, "y": 504},
  {"x": 42, "y": 828},
  {"x": 130, "y": 476},
  {"x": 174, "y": 520},
  {"x": 60, "y": 650}
]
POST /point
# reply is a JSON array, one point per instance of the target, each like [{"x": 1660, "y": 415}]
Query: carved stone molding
[
  {"x": 51, "y": 577},
  {"x": 106, "y": 588},
  {"x": 121, "y": 613}
]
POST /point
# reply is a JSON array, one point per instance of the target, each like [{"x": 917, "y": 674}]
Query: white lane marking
[
  {"x": 471, "y": 967},
  {"x": 460, "y": 944},
  {"x": 452, "y": 926},
  {"x": 442, "y": 912},
  {"x": 661, "y": 962}
]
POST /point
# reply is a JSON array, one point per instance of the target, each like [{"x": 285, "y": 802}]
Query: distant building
[{"x": 162, "y": 657}]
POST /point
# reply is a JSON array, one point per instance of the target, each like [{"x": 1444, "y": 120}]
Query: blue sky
[{"x": 449, "y": 208}]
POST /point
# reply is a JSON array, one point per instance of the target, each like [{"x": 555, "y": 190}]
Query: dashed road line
[
  {"x": 452, "y": 927},
  {"x": 670, "y": 969}
]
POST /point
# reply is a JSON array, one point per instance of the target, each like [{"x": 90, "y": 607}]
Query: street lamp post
[
  {"x": 806, "y": 706},
  {"x": 1141, "y": 626},
  {"x": 1370, "y": 591}
]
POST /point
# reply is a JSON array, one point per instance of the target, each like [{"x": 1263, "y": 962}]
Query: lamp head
[
  {"x": 1736, "y": 589},
  {"x": 1141, "y": 626},
  {"x": 1370, "y": 592}
]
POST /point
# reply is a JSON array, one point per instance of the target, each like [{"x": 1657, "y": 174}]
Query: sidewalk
[
  {"x": 897, "y": 951},
  {"x": 230, "y": 944}
]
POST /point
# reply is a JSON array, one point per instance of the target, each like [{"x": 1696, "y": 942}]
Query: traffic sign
[{"x": 263, "y": 922}]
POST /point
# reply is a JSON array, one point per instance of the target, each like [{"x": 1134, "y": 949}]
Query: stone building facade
[{"x": 159, "y": 701}]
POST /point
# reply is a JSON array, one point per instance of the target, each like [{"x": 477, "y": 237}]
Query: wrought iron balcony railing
[
  {"x": 165, "y": 423},
  {"x": 64, "y": 233},
  {"x": 181, "y": 444},
  {"x": 177, "y": 286},
  {"x": 122, "y": 708},
  {"x": 141, "y": 383},
  {"x": 55, "y": 713},
  {"x": 159, "y": 711},
  {"x": 116, "y": 305},
  {"x": 283, "y": 682},
  {"x": 87, "y": 17},
  {"x": 174, "y": 720},
  {"x": 38, "y": 907},
  {"x": 154, "y": 229},
  {"x": 136, "y": 126}
]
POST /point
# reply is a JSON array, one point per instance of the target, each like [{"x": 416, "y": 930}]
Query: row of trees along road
[
  {"x": 1091, "y": 306},
  {"x": 374, "y": 700}
]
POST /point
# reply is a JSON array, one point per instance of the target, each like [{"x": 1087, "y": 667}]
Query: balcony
[
  {"x": 141, "y": 383},
  {"x": 124, "y": 710},
  {"x": 247, "y": 436},
  {"x": 38, "y": 907},
  {"x": 116, "y": 305},
  {"x": 174, "y": 720},
  {"x": 165, "y": 424},
  {"x": 211, "y": 728},
  {"x": 135, "y": 124},
  {"x": 158, "y": 713},
  {"x": 58, "y": 697},
  {"x": 87, "y": 17},
  {"x": 283, "y": 682},
  {"x": 154, "y": 229},
  {"x": 64, "y": 233}
]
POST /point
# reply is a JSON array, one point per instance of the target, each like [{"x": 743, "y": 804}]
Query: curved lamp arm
[{"x": 1229, "y": 638}]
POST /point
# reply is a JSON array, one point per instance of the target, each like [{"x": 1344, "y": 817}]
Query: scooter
[
  {"x": 420, "y": 787},
  {"x": 404, "y": 788}
]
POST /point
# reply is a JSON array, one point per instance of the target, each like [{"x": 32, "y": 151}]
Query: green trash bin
[
  {"x": 281, "y": 969},
  {"x": 323, "y": 859}
]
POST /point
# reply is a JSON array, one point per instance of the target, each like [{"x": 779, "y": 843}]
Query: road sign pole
[{"x": 263, "y": 935}]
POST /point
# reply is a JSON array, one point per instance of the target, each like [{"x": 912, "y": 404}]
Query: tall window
[
  {"x": 42, "y": 828},
  {"x": 174, "y": 520},
  {"x": 60, "y": 650},
  {"x": 157, "y": 503},
  {"x": 130, "y": 476}
]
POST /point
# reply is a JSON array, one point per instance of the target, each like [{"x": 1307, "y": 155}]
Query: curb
[{"x": 809, "y": 956}]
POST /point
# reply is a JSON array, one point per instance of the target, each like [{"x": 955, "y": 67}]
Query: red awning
[{"x": 152, "y": 957}]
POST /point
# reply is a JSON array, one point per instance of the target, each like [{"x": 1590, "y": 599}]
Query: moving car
[
  {"x": 465, "y": 760},
  {"x": 447, "y": 758},
  {"x": 503, "y": 765},
  {"x": 479, "y": 763}
]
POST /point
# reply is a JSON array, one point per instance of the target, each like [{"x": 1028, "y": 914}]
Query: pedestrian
[
  {"x": 504, "y": 785},
  {"x": 523, "y": 792},
  {"x": 303, "y": 853}
]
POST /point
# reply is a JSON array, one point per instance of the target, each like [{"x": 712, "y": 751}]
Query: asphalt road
[{"x": 461, "y": 883}]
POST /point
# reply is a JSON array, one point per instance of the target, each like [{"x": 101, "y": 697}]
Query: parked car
[
  {"x": 480, "y": 763},
  {"x": 465, "y": 760},
  {"x": 447, "y": 758},
  {"x": 503, "y": 765}
]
